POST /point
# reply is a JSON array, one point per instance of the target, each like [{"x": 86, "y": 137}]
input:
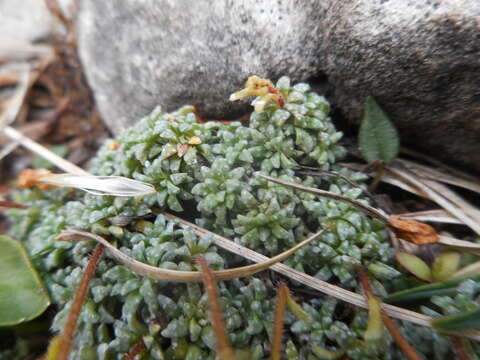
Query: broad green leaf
[
  {"x": 22, "y": 295},
  {"x": 469, "y": 320},
  {"x": 378, "y": 138},
  {"x": 415, "y": 265}
]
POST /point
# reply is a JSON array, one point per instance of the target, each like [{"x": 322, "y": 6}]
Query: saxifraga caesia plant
[{"x": 205, "y": 171}]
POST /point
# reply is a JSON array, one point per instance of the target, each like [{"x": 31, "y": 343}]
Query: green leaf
[
  {"x": 415, "y": 265},
  {"x": 378, "y": 138},
  {"x": 448, "y": 287},
  {"x": 22, "y": 295},
  {"x": 445, "y": 265},
  {"x": 469, "y": 320}
]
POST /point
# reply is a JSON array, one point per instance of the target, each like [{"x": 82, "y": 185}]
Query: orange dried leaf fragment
[
  {"x": 413, "y": 231},
  {"x": 29, "y": 178}
]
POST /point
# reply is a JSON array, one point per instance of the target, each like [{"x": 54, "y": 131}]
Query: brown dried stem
[
  {"x": 67, "y": 336},
  {"x": 224, "y": 349},
  {"x": 401, "y": 342},
  {"x": 282, "y": 295}
]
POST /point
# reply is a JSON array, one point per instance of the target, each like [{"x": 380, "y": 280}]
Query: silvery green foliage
[{"x": 207, "y": 170}]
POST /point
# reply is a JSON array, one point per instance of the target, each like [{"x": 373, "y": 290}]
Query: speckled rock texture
[
  {"x": 140, "y": 54},
  {"x": 418, "y": 58}
]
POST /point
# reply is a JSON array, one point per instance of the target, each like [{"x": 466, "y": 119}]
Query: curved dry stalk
[
  {"x": 317, "y": 284},
  {"x": 359, "y": 205},
  {"x": 157, "y": 273}
]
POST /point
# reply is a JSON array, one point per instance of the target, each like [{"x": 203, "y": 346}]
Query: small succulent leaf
[
  {"x": 22, "y": 294},
  {"x": 378, "y": 139},
  {"x": 374, "y": 331},
  {"x": 414, "y": 265},
  {"x": 445, "y": 265}
]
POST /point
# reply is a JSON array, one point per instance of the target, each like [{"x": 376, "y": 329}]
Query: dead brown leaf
[
  {"x": 413, "y": 231},
  {"x": 28, "y": 178}
]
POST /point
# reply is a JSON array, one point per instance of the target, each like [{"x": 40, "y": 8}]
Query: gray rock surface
[
  {"x": 138, "y": 54},
  {"x": 23, "y": 21},
  {"x": 419, "y": 58}
]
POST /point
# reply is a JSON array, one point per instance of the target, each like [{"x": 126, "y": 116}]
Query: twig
[{"x": 66, "y": 338}]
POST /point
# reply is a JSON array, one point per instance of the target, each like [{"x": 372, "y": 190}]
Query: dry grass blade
[
  {"x": 439, "y": 197},
  {"x": 7, "y": 149},
  {"x": 157, "y": 273},
  {"x": 433, "y": 174},
  {"x": 468, "y": 270},
  {"x": 462, "y": 245},
  {"x": 401, "y": 342},
  {"x": 439, "y": 215},
  {"x": 314, "y": 283},
  {"x": 439, "y": 164},
  {"x": 282, "y": 296},
  {"x": 389, "y": 179},
  {"x": 453, "y": 197},
  {"x": 357, "y": 204},
  {"x": 65, "y": 343},
  {"x": 224, "y": 349},
  {"x": 43, "y": 152}
]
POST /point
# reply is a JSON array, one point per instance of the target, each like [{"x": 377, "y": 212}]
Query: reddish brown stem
[
  {"x": 401, "y": 342},
  {"x": 11, "y": 205},
  {"x": 135, "y": 350},
  {"x": 282, "y": 295},
  {"x": 224, "y": 349},
  {"x": 66, "y": 338},
  {"x": 459, "y": 348}
]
